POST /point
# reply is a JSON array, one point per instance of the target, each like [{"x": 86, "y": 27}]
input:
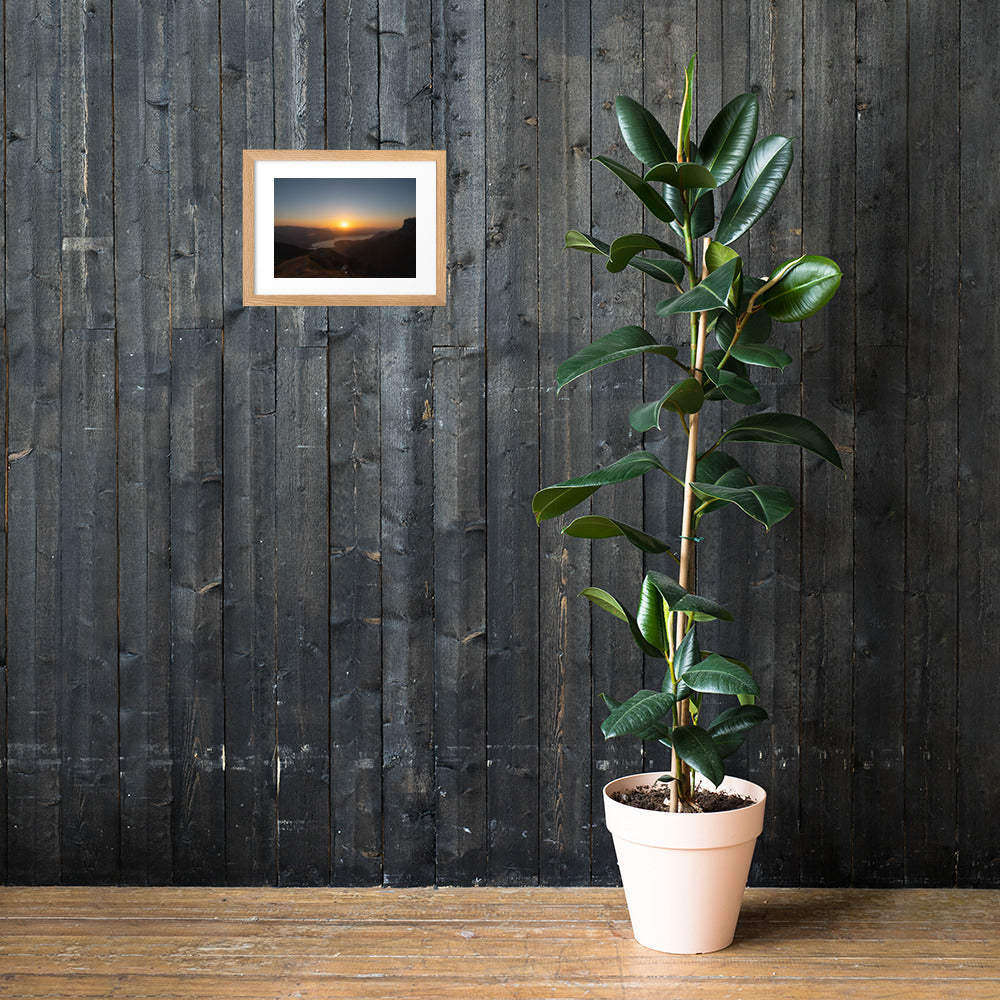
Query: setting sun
[{"x": 344, "y": 224}]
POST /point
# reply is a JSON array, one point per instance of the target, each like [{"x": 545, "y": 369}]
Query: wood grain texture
[
  {"x": 512, "y": 441},
  {"x": 34, "y": 344},
  {"x": 375, "y": 943},
  {"x": 248, "y": 449},
  {"x": 296, "y": 543},
  {"x": 881, "y": 315},
  {"x": 142, "y": 335}
]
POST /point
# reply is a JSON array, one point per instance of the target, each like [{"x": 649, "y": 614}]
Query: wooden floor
[{"x": 473, "y": 944}]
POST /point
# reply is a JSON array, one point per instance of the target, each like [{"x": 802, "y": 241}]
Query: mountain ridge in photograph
[{"x": 387, "y": 254}]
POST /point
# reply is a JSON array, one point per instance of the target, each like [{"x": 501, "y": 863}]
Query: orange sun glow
[{"x": 344, "y": 224}]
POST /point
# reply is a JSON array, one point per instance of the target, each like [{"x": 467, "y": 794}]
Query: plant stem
[{"x": 686, "y": 572}]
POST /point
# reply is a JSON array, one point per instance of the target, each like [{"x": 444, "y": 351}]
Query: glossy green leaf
[
  {"x": 668, "y": 271},
  {"x": 643, "y": 191},
  {"x": 642, "y": 133},
  {"x": 608, "y": 603},
  {"x": 555, "y": 500},
  {"x": 695, "y": 747},
  {"x": 728, "y": 745},
  {"x": 737, "y": 720},
  {"x": 624, "y": 248},
  {"x": 803, "y": 290},
  {"x": 729, "y": 138},
  {"x": 703, "y": 216},
  {"x": 651, "y": 617},
  {"x": 767, "y": 504},
  {"x": 678, "y": 599},
  {"x": 593, "y": 526},
  {"x": 641, "y": 715},
  {"x": 575, "y": 240},
  {"x": 687, "y": 655},
  {"x": 712, "y": 293},
  {"x": 756, "y": 330},
  {"x": 764, "y": 355},
  {"x": 763, "y": 174},
  {"x": 684, "y": 129},
  {"x": 719, "y": 675},
  {"x": 683, "y": 397},
  {"x": 712, "y": 467},
  {"x": 686, "y": 176},
  {"x": 718, "y": 254},
  {"x": 625, "y": 342},
  {"x": 732, "y": 386},
  {"x": 784, "y": 428}
]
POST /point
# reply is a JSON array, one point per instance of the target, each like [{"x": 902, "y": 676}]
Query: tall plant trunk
[{"x": 686, "y": 572}]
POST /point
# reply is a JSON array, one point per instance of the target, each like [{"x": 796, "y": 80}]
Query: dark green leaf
[
  {"x": 695, "y": 747},
  {"x": 576, "y": 240},
  {"x": 739, "y": 390},
  {"x": 767, "y": 504},
  {"x": 669, "y": 271},
  {"x": 718, "y": 675},
  {"x": 642, "y": 133},
  {"x": 640, "y": 716},
  {"x": 608, "y": 603},
  {"x": 727, "y": 745},
  {"x": 686, "y": 176},
  {"x": 737, "y": 720},
  {"x": 687, "y": 655},
  {"x": 643, "y": 191},
  {"x": 756, "y": 330},
  {"x": 803, "y": 290},
  {"x": 784, "y": 428},
  {"x": 624, "y": 248},
  {"x": 703, "y": 216},
  {"x": 684, "y": 397},
  {"x": 715, "y": 465},
  {"x": 760, "y": 180},
  {"x": 625, "y": 342},
  {"x": 684, "y": 132},
  {"x": 651, "y": 617},
  {"x": 593, "y": 526},
  {"x": 678, "y": 599},
  {"x": 712, "y": 293},
  {"x": 555, "y": 500},
  {"x": 728, "y": 139},
  {"x": 764, "y": 355}
]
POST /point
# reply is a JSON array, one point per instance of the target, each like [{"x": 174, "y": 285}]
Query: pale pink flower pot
[{"x": 684, "y": 873}]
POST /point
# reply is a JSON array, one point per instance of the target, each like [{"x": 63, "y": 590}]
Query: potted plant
[{"x": 685, "y": 868}]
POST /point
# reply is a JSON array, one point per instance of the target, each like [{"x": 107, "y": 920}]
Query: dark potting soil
[{"x": 657, "y": 798}]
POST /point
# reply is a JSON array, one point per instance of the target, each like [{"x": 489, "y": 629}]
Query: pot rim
[{"x": 653, "y": 775}]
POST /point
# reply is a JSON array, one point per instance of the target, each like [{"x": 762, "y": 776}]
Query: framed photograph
[{"x": 325, "y": 227}]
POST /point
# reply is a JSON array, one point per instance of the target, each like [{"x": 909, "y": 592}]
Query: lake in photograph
[{"x": 345, "y": 227}]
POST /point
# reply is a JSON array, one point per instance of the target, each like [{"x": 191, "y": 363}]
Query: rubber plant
[{"x": 708, "y": 294}]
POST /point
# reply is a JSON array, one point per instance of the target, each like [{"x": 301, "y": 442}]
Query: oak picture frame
[{"x": 264, "y": 168}]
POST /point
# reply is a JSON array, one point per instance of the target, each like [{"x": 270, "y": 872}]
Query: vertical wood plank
[
  {"x": 142, "y": 300},
  {"x": 249, "y": 403},
  {"x": 32, "y": 218},
  {"x": 565, "y": 443},
  {"x": 88, "y": 650},
  {"x": 197, "y": 720},
  {"x": 827, "y": 498},
  {"x": 459, "y": 459},
  {"x": 87, "y": 258},
  {"x": 302, "y": 477},
  {"x": 407, "y": 490},
  {"x": 512, "y": 441},
  {"x": 616, "y": 300},
  {"x": 195, "y": 195},
  {"x": 979, "y": 457},
  {"x": 770, "y": 588},
  {"x": 3, "y": 534},
  {"x": 932, "y": 598},
  {"x": 879, "y": 462},
  {"x": 355, "y": 491}
]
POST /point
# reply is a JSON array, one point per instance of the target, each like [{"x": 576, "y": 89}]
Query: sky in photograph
[{"x": 344, "y": 202}]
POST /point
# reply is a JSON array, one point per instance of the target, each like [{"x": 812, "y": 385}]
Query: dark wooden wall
[{"x": 276, "y": 608}]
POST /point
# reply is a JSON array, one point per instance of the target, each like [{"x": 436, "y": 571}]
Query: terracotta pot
[{"x": 684, "y": 873}]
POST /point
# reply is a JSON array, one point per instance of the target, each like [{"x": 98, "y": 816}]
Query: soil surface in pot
[{"x": 657, "y": 798}]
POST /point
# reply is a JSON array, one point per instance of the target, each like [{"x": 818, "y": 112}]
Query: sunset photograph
[{"x": 345, "y": 227}]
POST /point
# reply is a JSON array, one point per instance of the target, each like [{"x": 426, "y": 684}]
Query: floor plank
[{"x": 238, "y": 944}]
